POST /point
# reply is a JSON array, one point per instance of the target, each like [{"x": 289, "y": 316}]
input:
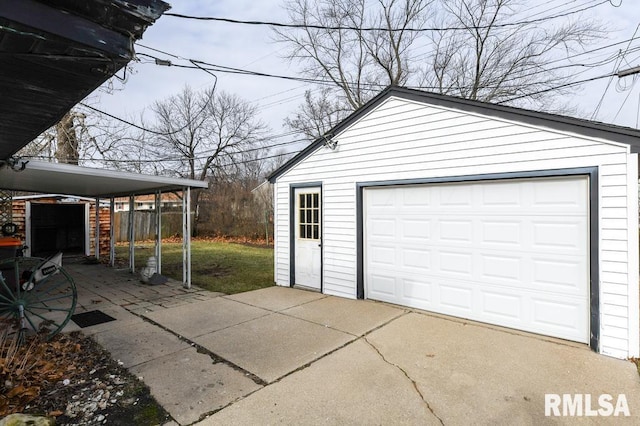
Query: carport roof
[{"x": 43, "y": 177}]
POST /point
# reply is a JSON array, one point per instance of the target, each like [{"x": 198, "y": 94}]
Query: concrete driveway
[{"x": 287, "y": 356}]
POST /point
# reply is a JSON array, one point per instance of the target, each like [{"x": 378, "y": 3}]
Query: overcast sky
[{"x": 252, "y": 47}]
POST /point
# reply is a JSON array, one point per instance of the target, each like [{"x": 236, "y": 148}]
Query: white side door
[{"x": 308, "y": 237}]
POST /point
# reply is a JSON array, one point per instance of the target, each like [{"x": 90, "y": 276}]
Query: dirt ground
[{"x": 74, "y": 380}]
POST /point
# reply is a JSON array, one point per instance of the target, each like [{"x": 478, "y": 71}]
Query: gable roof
[{"x": 595, "y": 129}]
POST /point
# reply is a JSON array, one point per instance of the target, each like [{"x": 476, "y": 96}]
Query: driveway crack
[
  {"x": 413, "y": 382},
  {"x": 202, "y": 350}
]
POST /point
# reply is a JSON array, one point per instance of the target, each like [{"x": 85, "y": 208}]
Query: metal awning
[
  {"x": 66, "y": 179},
  {"x": 54, "y": 178}
]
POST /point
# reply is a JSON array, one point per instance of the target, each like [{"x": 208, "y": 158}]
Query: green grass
[{"x": 217, "y": 266}]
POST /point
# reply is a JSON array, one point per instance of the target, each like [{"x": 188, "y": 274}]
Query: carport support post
[
  {"x": 158, "y": 248},
  {"x": 96, "y": 234},
  {"x": 132, "y": 236},
  {"x": 186, "y": 237},
  {"x": 112, "y": 232}
]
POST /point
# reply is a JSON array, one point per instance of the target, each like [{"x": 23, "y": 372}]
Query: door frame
[
  {"x": 292, "y": 231},
  {"x": 594, "y": 245}
]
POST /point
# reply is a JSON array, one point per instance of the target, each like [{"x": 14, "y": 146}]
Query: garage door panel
[
  {"x": 502, "y": 195},
  {"x": 455, "y": 231},
  {"x": 564, "y": 319},
  {"x": 383, "y": 200},
  {"x": 501, "y": 233},
  {"x": 418, "y": 229},
  {"x": 381, "y": 286},
  {"x": 416, "y": 259},
  {"x": 559, "y": 235},
  {"x": 512, "y": 253},
  {"x": 416, "y": 197},
  {"x": 456, "y": 299},
  {"x": 502, "y": 307},
  {"x": 458, "y": 264},
  {"x": 419, "y": 291},
  {"x": 565, "y": 196},
  {"x": 382, "y": 256},
  {"x": 559, "y": 275},
  {"x": 458, "y": 195},
  {"x": 382, "y": 227},
  {"x": 501, "y": 268}
]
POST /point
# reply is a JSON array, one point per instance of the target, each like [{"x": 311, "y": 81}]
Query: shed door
[
  {"x": 308, "y": 237},
  {"x": 512, "y": 252},
  {"x": 57, "y": 227}
]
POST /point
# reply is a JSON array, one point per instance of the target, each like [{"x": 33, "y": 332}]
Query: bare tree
[
  {"x": 316, "y": 115},
  {"x": 357, "y": 62},
  {"x": 204, "y": 133},
  {"x": 478, "y": 49},
  {"x": 67, "y": 139},
  {"x": 493, "y": 62},
  {"x": 65, "y": 142}
]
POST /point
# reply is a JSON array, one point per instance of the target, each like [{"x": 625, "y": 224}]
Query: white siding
[{"x": 402, "y": 139}]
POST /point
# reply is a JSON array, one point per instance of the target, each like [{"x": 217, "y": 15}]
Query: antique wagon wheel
[{"x": 36, "y": 295}]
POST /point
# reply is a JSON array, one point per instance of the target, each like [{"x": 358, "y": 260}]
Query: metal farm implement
[{"x": 36, "y": 295}]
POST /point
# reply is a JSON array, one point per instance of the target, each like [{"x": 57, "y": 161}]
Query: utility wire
[
  {"x": 340, "y": 27},
  {"x": 122, "y": 120},
  {"x": 556, "y": 88},
  {"x": 625, "y": 99},
  {"x": 615, "y": 67}
]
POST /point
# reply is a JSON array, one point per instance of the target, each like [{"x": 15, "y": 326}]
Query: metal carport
[{"x": 43, "y": 177}]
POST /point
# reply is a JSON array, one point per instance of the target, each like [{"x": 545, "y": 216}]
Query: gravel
[{"x": 97, "y": 391}]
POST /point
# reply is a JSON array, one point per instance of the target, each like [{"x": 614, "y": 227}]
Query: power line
[
  {"x": 122, "y": 120},
  {"x": 107, "y": 160},
  {"x": 225, "y": 69},
  {"x": 555, "y": 88},
  {"x": 615, "y": 66},
  {"x": 625, "y": 99},
  {"x": 349, "y": 28}
]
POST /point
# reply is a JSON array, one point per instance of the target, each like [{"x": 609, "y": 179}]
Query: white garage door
[{"x": 511, "y": 252}]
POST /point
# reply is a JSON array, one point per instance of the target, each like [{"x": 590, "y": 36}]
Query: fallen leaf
[{"x": 17, "y": 390}]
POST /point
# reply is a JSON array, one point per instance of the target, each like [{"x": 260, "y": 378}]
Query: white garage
[
  {"x": 513, "y": 253},
  {"x": 483, "y": 212}
]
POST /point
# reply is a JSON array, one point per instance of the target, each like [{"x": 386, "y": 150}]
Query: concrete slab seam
[
  {"x": 230, "y": 325},
  {"x": 317, "y": 323},
  {"x": 324, "y": 296},
  {"x": 302, "y": 367},
  {"x": 201, "y": 349},
  {"x": 413, "y": 382}
]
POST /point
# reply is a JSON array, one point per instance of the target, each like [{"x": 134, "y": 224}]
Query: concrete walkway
[{"x": 286, "y": 356}]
